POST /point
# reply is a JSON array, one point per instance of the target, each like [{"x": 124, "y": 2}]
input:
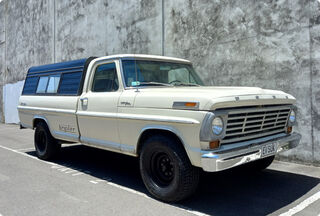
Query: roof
[
  {"x": 68, "y": 66},
  {"x": 143, "y": 56},
  {"x": 78, "y": 65}
]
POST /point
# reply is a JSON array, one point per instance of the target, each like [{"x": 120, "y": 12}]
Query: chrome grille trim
[
  {"x": 255, "y": 116},
  {"x": 250, "y": 123},
  {"x": 250, "y": 110}
]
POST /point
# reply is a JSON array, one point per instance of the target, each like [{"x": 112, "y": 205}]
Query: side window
[
  {"x": 53, "y": 84},
  {"x": 70, "y": 83},
  {"x": 105, "y": 78},
  {"x": 30, "y": 85},
  {"x": 48, "y": 84},
  {"x": 42, "y": 85}
]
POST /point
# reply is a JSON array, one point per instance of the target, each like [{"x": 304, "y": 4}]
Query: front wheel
[
  {"x": 46, "y": 146},
  {"x": 166, "y": 170}
]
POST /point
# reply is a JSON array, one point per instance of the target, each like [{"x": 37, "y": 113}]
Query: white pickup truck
[{"x": 157, "y": 109}]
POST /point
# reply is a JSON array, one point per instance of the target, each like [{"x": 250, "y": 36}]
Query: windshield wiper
[
  {"x": 152, "y": 84},
  {"x": 185, "y": 84}
]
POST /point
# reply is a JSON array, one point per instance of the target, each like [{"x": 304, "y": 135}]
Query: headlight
[
  {"x": 217, "y": 126},
  {"x": 292, "y": 117}
]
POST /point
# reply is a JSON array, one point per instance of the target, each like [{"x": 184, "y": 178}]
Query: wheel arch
[
  {"x": 37, "y": 119},
  {"x": 154, "y": 130}
]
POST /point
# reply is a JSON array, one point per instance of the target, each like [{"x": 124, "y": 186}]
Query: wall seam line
[
  {"x": 5, "y": 58},
  {"x": 54, "y": 31},
  {"x": 311, "y": 90},
  {"x": 162, "y": 38}
]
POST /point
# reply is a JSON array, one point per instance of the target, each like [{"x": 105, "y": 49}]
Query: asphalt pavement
[{"x": 88, "y": 181}]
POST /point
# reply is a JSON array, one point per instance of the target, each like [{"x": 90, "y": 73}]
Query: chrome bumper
[{"x": 228, "y": 156}]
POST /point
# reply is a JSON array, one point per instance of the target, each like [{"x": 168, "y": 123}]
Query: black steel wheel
[
  {"x": 162, "y": 168},
  {"x": 46, "y": 146},
  {"x": 166, "y": 169}
]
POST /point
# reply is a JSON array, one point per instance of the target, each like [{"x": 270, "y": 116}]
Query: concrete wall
[
  {"x": 315, "y": 77},
  {"x": 271, "y": 44},
  {"x": 97, "y": 28}
]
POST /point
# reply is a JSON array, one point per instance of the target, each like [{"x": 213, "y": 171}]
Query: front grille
[{"x": 252, "y": 123}]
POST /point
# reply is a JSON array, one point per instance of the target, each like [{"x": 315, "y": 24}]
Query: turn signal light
[
  {"x": 289, "y": 130},
  {"x": 214, "y": 144},
  {"x": 190, "y": 104}
]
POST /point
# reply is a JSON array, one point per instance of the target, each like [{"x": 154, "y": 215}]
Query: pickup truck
[{"x": 156, "y": 108}]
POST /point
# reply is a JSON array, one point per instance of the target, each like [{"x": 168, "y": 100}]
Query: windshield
[{"x": 157, "y": 73}]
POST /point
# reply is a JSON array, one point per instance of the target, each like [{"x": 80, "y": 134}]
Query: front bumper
[{"x": 228, "y": 156}]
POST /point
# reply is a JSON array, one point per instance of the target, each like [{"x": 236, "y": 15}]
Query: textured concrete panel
[
  {"x": 280, "y": 16},
  {"x": 191, "y": 26},
  {"x": 314, "y": 12},
  {"x": 97, "y": 28},
  {"x": 292, "y": 75},
  {"x": 2, "y": 23},
  {"x": 134, "y": 27},
  {"x": 315, "y": 69},
  {"x": 29, "y": 36},
  {"x": 272, "y": 50}
]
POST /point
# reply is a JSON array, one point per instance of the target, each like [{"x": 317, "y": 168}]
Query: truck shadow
[{"x": 226, "y": 193}]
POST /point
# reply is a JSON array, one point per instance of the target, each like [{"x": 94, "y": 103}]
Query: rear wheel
[
  {"x": 166, "y": 170},
  {"x": 46, "y": 146}
]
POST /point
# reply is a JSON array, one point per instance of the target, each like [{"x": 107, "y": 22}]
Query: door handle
[{"x": 84, "y": 101}]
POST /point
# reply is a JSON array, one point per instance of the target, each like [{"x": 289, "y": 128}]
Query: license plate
[{"x": 268, "y": 149}]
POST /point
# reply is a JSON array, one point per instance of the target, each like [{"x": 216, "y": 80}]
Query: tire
[
  {"x": 46, "y": 146},
  {"x": 166, "y": 170},
  {"x": 261, "y": 164}
]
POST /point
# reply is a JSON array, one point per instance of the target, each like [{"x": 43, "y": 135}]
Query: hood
[{"x": 210, "y": 98}]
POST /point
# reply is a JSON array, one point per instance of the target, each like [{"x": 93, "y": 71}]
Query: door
[{"x": 97, "y": 108}]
